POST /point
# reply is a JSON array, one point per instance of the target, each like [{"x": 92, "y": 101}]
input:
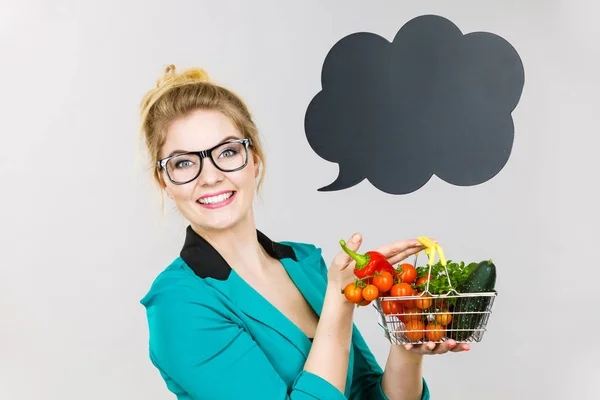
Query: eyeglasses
[{"x": 185, "y": 167}]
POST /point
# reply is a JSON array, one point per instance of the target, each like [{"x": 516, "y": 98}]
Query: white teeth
[{"x": 216, "y": 199}]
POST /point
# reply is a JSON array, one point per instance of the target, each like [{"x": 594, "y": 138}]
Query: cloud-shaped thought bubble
[{"x": 433, "y": 101}]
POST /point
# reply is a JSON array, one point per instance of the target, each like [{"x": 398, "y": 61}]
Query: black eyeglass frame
[{"x": 161, "y": 164}]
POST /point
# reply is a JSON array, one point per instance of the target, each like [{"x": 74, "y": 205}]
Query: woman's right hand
[
  {"x": 341, "y": 270},
  {"x": 329, "y": 353}
]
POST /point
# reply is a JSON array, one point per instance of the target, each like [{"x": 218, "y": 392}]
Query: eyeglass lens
[{"x": 227, "y": 157}]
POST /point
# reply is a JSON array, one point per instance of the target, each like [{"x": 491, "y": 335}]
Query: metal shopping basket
[{"x": 436, "y": 318}]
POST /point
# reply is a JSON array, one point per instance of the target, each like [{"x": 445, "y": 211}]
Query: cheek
[
  {"x": 244, "y": 179},
  {"x": 180, "y": 192}
]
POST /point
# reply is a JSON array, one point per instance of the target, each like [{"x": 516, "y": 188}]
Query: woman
[{"x": 236, "y": 314}]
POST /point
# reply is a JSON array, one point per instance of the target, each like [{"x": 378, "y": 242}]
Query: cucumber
[{"x": 481, "y": 280}]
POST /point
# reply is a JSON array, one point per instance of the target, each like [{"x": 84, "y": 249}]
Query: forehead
[{"x": 199, "y": 130}]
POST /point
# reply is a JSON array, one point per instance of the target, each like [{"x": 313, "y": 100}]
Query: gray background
[{"x": 82, "y": 234}]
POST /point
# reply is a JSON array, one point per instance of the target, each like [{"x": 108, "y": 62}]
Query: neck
[{"x": 238, "y": 244}]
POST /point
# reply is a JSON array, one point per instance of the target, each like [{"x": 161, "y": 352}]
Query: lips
[{"x": 216, "y": 198}]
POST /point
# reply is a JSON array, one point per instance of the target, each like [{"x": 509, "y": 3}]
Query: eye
[
  {"x": 183, "y": 163},
  {"x": 230, "y": 152}
]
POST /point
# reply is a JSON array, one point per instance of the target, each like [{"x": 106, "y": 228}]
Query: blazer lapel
[
  {"x": 306, "y": 276},
  {"x": 208, "y": 264},
  {"x": 255, "y": 306}
]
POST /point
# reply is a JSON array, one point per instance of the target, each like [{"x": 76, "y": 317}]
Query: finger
[
  {"x": 397, "y": 248},
  {"x": 404, "y": 255},
  {"x": 442, "y": 348},
  {"x": 461, "y": 347},
  {"x": 425, "y": 348},
  {"x": 343, "y": 259},
  {"x": 457, "y": 347},
  {"x": 452, "y": 345},
  {"x": 429, "y": 347}
]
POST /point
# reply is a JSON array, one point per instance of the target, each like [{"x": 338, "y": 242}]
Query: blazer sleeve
[
  {"x": 367, "y": 374},
  {"x": 204, "y": 354}
]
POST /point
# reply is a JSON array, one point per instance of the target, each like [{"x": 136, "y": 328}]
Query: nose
[{"x": 210, "y": 175}]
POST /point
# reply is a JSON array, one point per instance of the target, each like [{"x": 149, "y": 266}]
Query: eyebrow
[{"x": 179, "y": 151}]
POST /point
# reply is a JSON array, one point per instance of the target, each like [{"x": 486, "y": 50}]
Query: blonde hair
[{"x": 178, "y": 94}]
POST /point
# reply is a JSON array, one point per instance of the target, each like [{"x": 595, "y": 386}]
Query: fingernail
[
  {"x": 355, "y": 238},
  {"x": 451, "y": 344},
  {"x": 467, "y": 347}
]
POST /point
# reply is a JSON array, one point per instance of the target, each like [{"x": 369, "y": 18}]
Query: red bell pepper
[{"x": 369, "y": 263}]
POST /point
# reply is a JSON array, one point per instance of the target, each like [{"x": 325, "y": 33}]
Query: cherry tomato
[
  {"x": 411, "y": 314},
  {"x": 370, "y": 292},
  {"x": 353, "y": 293},
  {"x": 423, "y": 279},
  {"x": 364, "y": 302},
  {"x": 440, "y": 304},
  {"x": 409, "y": 303},
  {"x": 390, "y": 307},
  {"x": 408, "y": 274},
  {"x": 384, "y": 282},
  {"x": 435, "y": 332},
  {"x": 401, "y": 289},
  {"x": 413, "y": 328},
  {"x": 443, "y": 319},
  {"x": 424, "y": 302}
]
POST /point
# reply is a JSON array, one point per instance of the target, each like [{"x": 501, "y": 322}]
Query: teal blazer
[{"x": 212, "y": 336}]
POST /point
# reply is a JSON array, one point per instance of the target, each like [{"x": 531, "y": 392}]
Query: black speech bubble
[{"x": 433, "y": 101}]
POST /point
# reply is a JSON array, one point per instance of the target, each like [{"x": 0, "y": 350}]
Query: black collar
[{"x": 206, "y": 261}]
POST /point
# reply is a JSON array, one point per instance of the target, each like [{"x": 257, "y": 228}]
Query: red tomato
[
  {"x": 411, "y": 315},
  {"x": 401, "y": 289},
  {"x": 390, "y": 307},
  {"x": 414, "y": 302},
  {"x": 413, "y": 328},
  {"x": 435, "y": 332},
  {"x": 423, "y": 279},
  {"x": 443, "y": 319},
  {"x": 370, "y": 293},
  {"x": 408, "y": 274},
  {"x": 353, "y": 293},
  {"x": 384, "y": 281},
  {"x": 440, "y": 304},
  {"x": 424, "y": 302}
]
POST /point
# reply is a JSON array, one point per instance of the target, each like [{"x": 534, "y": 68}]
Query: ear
[
  {"x": 168, "y": 192},
  {"x": 164, "y": 186},
  {"x": 256, "y": 165}
]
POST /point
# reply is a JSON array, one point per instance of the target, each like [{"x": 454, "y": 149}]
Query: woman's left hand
[
  {"x": 396, "y": 252},
  {"x": 437, "y": 348}
]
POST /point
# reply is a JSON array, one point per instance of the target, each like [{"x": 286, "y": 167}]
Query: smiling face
[{"x": 215, "y": 200}]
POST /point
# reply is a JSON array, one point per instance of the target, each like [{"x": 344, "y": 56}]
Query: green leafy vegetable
[{"x": 439, "y": 281}]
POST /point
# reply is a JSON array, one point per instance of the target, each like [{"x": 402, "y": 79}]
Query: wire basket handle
[{"x": 430, "y": 248}]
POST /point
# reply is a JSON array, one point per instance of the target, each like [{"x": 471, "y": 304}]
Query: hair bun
[{"x": 191, "y": 75}]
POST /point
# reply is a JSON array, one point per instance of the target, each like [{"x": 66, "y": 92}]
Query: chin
[
  {"x": 218, "y": 220},
  {"x": 219, "y": 225}
]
